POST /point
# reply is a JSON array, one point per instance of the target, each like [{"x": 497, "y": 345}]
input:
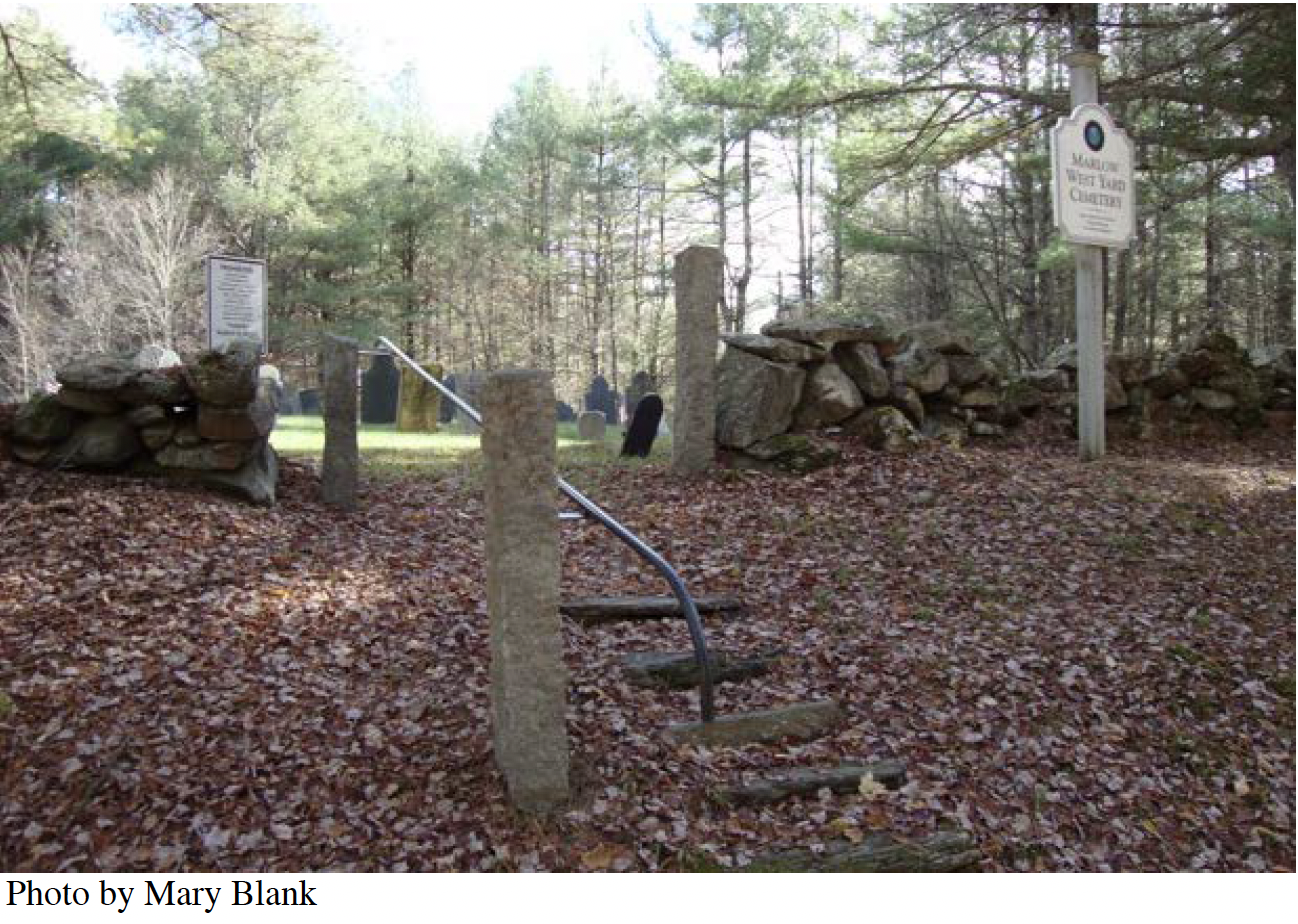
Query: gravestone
[
  {"x": 528, "y": 678},
  {"x": 697, "y": 278},
  {"x": 379, "y": 388},
  {"x": 270, "y": 386},
  {"x": 644, "y": 427},
  {"x": 563, "y": 412},
  {"x": 446, "y": 413},
  {"x": 309, "y": 402},
  {"x": 272, "y": 392},
  {"x": 590, "y": 426},
  {"x": 600, "y": 397},
  {"x": 419, "y": 404},
  {"x": 641, "y": 384},
  {"x": 341, "y": 469},
  {"x": 290, "y": 402},
  {"x": 469, "y": 389}
]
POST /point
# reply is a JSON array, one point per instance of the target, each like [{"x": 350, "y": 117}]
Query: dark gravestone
[
  {"x": 563, "y": 412},
  {"x": 446, "y": 413},
  {"x": 644, "y": 427},
  {"x": 379, "y": 388},
  {"x": 290, "y": 402},
  {"x": 310, "y": 401},
  {"x": 641, "y": 384},
  {"x": 600, "y": 397}
]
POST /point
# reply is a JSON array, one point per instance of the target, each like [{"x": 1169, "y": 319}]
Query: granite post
[
  {"x": 341, "y": 451},
  {"x": 697, "y": 276},
  {"x": 528, "y": 678}
]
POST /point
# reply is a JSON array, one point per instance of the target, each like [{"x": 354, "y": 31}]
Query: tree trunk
[
  {"x": 837, "y": 239},
  {"x": 1284, "y": 299},
  {"x": 1033, "y": 320},
  {"x": 1122, "y": 299},
  {"x": 407, "y": 257},
  {"x": 746, "y": 211},
  {"x": 809, "y": 272},
  {"x": 1212, "y": 281},
  {"x": 723, "y": 237},
  {"x": 637, "y": 284},
  {"x": 1284, "y": 292},
  {"x": 799, "y": 195}
]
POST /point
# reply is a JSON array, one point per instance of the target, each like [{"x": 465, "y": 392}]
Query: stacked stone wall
[
  {"x": 864, "y": 378},
  {"x": 780, "y": 392},
  {"x": 1215, "y": 379},
  {"x": 205, "y": 421}
]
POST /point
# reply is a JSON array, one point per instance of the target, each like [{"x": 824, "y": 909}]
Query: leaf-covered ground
[{"x": 1089, "y": 667}]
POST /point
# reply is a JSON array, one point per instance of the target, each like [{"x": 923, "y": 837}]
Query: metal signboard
[
  {"x": 236, "y": 301},
  {"x": 1093, "y": 186}
]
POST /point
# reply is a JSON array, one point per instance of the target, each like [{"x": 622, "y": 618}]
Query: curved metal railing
[{"x": 707, "y": 706}]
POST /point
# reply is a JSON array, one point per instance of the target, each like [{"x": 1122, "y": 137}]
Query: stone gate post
[
  {"x": 697, "y": 276},
  {"x": 528, "y": 679},
  {"x": 339, "y": 476}
]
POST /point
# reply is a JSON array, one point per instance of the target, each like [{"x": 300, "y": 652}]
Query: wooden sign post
[{"x": 1093, "y": 192}]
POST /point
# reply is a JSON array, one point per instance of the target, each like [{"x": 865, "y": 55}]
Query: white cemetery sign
[
  {"x": 236, "y": 301},
  {"x": 1093, "y": 189}
]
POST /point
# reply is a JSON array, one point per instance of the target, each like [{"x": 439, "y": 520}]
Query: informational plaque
[
  {"x": 1094, "y": 190},
  {"x": 236, "y": 301}
]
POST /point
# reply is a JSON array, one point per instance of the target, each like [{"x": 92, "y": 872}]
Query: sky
[{"x": 468, "y": 55}]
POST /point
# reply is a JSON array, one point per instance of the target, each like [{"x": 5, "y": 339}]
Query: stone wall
[
  {"x": 1214, "y": 379},
  {"x": 204, "y": 421},
  {"x": 857, "y": 377},
  {"x": 780, "y": 391}
]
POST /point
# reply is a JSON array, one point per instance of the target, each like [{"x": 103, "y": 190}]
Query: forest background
[{"x": 846, "y": 160}]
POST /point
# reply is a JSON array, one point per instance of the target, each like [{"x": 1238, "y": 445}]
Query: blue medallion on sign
[{"x": 1094, "y": 135}]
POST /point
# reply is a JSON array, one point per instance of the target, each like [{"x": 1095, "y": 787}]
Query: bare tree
[
  {"x": 125, "y": 269},
  {"x": 133, "y": 262},
  {"x": 25, "y": 323}
]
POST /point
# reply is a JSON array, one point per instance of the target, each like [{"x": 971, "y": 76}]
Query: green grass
[{"x": 382, "y": 447}]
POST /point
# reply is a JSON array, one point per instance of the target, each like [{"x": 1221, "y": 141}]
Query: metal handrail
[{"x": 707, "y": 706}]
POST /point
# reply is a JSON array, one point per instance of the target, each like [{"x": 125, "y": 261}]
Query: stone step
[
  {"x": 943, "y": 852},
  {"x": 890, "y": 774},
  {"x": 600, "y": 610},
  {"x": 799, "y": 721},
  {"x": 677, "y": 670}
]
